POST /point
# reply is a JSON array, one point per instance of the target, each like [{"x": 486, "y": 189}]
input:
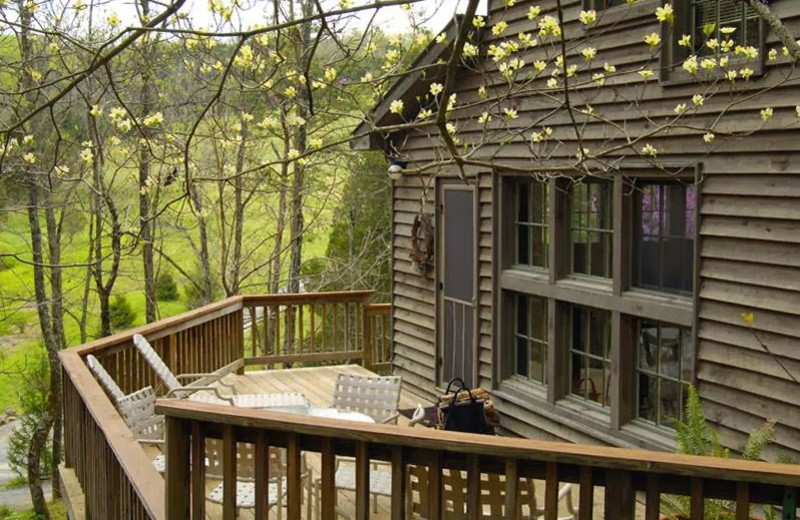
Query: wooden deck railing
[
  {"x": 117, "y": 478},
  {"x": 378, "y": 337},
  {"x": 621, "y": 473}
]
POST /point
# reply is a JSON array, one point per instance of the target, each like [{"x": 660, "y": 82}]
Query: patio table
[{"x": 323, "y": 411}]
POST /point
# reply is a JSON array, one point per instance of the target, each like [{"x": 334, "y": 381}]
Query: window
[
  {"x": 530, "y": 336},
  {"x": 707, "y": 17},
  {"x": 663, "y": 239},
  {"x": 703, "y": 20},
  {"x": 602, "y": 4},
  {"x": 601, "y": 240},
  {"x": 590, "y": 228},
  {"x": 665, "y": 356},
  {"x": 531, "y": 222},
  {"x": 590, "y": 353}
]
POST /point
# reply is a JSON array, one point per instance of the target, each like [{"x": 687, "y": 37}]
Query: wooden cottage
[{"x": 594, "y": 256}]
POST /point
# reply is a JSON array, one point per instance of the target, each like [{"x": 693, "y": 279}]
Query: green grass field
[{"x": 18, "y": 320}]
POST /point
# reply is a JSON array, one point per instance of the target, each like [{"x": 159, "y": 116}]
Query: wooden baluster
[
  {"x": 324, "y": 327},
  {"x": 177, "y": 472},
  {"x": 265, "y": 315},
  {"x": 301, "y": 329},
  {"x": 198, "y": 471},
  {"x": 294, "y": 487},
  {"x": 619, "y": 495},
  {"x": 551, "y": 492},
  {"x": 398, "y": 484},
  {"x": 348, "y": 340},
  {"x": 367, "y": 353},
  {"x": 328, "y": 474},
  {"x": 789, "y": 503},
  {"x": 653, "y": 498},
  {"x": 262, "y": 476},
  {"x": 697, "y": 506},
  {"x": 742, "y": 501},
  {"x": 362, "y": 480},
  {"x": 313, "y": 328},
  {"x": 435, "y": 487},
  {"x": 586, "y": 498},
  {"x": 335, "y": 328},
  {"x": 474, "y": 487},
  {"x": 291, "y": 323},
  {"x": 228, "y": 473}
]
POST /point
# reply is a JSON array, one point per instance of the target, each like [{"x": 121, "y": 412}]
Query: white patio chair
[
  {"x": 492, "y": 493},
  {"x": 137, "y": 409},
  {"x": 175, "y": 389},
  {"x": 245, "y": 476},
  {"x": 170, "y": 380},
  {"x": 377, "y": 397}
]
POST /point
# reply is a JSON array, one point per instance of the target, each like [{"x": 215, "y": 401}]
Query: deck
[
  {"x": 109, "y": 475},
  {"x": 317, "y": 384}
]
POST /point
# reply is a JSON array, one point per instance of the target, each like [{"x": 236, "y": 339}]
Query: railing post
[
  {"x": 366, "y": 342},
  {"x": 619, "y": 495},
  {"x": 177, "y": 472}
]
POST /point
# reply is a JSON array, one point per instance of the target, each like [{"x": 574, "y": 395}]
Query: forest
[{"x": 150, "y": 166}]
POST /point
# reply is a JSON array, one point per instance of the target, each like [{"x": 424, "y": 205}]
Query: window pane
[
  {"x": 665, "y": 357},
  {"x": 590, "y": 346},
  {"x": 664, "y": 236},
  {"x": 531, "y": 222},
  {"x": 591, "y": 228},
  {"x": 530, "y": 337},
  {"x": 709, "y": 16}
]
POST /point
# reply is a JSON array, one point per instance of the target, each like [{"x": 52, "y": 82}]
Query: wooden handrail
[
  {"x": 620, "y": 471},
  {"x": 127, "y": 453},
  {"x": 115, "y": 473},
  {"x": 163, "y": 327},
  {"x": 289, "y": 298}
]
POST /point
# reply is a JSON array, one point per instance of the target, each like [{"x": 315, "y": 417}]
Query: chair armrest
[
  {"x": 193, "y": 389},
  {"x": 392, "y": 419},
  {"x": 157, "y": 442}
]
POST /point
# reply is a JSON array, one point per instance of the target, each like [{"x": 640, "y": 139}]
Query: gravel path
[{"x": 17, "y": 498}]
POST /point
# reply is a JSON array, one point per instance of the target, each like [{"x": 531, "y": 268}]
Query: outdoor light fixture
[{"x": 396, "y": 167}]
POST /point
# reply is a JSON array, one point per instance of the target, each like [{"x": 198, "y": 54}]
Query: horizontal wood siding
[
  {"x": 749, "y": 216},
  {"x": 413, "y": 295}
]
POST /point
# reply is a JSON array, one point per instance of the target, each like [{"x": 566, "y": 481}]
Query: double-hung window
[{"x": 598, "y": 271}]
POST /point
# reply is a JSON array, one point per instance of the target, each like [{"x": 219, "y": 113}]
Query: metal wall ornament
[{"x": 422, "y": 243}]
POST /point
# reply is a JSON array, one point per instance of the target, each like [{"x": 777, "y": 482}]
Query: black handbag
[{"x": 466, "y": 416}]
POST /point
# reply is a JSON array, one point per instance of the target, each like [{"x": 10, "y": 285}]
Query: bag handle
[{"x": 458, "y": 389}]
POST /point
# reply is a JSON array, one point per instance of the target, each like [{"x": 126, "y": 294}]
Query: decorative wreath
[{"x": 422, "y": 242}]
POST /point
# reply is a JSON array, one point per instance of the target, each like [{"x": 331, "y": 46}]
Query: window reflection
[{"x": 665, "y": 355}]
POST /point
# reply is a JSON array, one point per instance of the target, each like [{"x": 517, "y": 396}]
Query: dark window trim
[{"x": 672, "y": 55}]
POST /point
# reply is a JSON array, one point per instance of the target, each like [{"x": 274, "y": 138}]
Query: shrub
[
  {"x": 32, "y": 386},
  {"x": 166, "y": 288},
  {"x": 122, "y": 315}
]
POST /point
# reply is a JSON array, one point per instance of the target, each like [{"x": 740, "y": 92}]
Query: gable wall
[{"x": 749, "y": 228}]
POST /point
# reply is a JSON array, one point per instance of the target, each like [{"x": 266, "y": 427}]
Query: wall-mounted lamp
[{"x": 396, "y": 167}]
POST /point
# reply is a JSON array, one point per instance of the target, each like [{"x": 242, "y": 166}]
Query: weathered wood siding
[{"x": 749, "y": 224}]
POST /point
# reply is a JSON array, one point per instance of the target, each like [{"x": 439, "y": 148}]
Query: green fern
[
  {"x": 692, "y": 433},
  {"x": 694, "y": 437},
  {"x": 758, "y": 439}
]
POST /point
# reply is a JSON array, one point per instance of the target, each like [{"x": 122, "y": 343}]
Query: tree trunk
[
  {"x": 146, "y": 223},
  {"x": 58, "y": 341},
  {"x": 39, "y": 440}
]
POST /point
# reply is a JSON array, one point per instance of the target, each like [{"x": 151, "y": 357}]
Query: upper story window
[
  {"x": 591, "y": 228},
  {"x": 665, "y": 356},
  {"x": 531, "y": 222},
  {"x": 707, "y": 17},
  {"x": 530, "y": 337},
  {"x": 663, "y": 238}
]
